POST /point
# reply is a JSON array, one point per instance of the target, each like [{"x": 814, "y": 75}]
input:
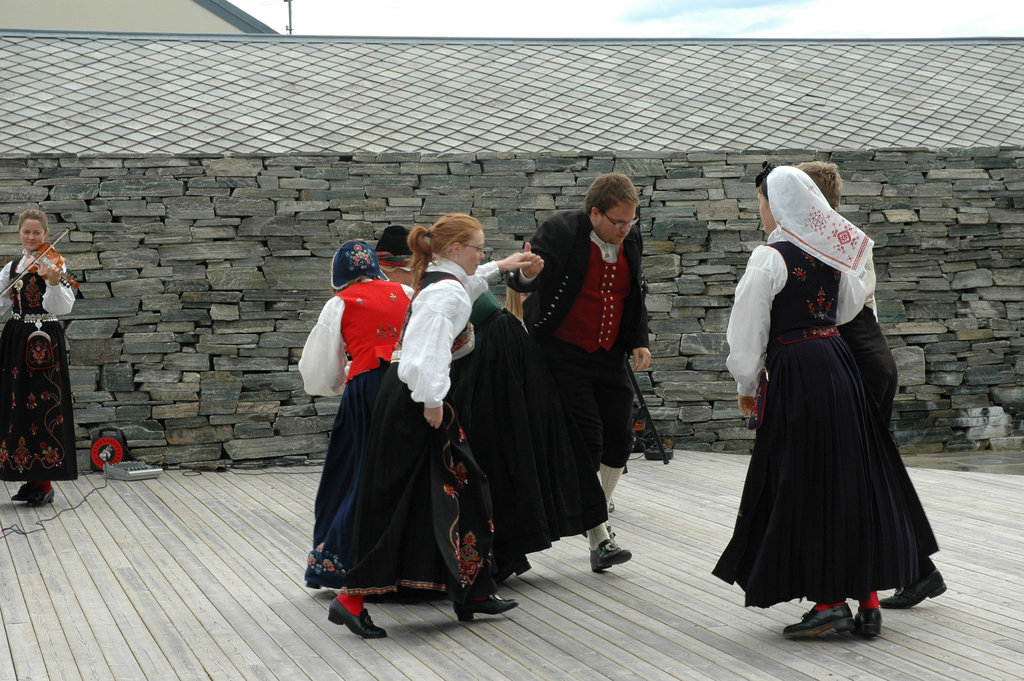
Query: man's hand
[
  {"x": 641, "y": 358},
  {"x": 534, "y": 266},
  {"x": 521, "y": 261},
  {"x": 746, "y": 404}
]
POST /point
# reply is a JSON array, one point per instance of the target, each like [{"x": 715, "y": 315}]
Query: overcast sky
[{"x": 645, "y": 18}]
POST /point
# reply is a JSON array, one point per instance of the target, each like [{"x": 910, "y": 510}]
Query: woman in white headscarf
[{"x": 827, "y": 512}]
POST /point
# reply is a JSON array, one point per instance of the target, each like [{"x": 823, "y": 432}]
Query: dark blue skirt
[
  {"x": 339, "y": 484},
  {"x": 828, "y": 511}
]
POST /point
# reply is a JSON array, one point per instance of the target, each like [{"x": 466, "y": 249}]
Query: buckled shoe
[{"x": 607, "y": 554}]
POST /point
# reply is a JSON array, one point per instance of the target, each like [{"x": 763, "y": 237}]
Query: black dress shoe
[
  {"x": 909, "y": 596},
  {"x": 360, "y": 626},
  {"x": 492, "y": 605},
  {"x": 816, "y": 622},
  {"x": 313, "y": 585},
  {"x": 514, "y": 566},
  {"x": 608, "y": 553},
  {"x": 868, "y": 622},
  {"x": 23, "y": 492},
  {"x": 38, "y": 497}
]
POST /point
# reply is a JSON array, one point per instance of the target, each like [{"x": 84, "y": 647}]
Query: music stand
[{"x": 648, "y": 432}]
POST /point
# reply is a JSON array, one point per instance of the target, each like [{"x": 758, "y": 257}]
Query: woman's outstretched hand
[{"x": 528, "y": 262}]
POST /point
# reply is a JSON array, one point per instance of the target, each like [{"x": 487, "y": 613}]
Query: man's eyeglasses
[{"x": 620, "y": 223}]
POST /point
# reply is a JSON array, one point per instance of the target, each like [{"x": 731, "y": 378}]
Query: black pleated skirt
[
  {"x": 422, "y": 513},
  {"x": 542, "y": 480},
  {"x": 828, "y": 511}
]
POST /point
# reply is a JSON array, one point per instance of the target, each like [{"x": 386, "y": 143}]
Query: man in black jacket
[{"x": 587, "y": 312}]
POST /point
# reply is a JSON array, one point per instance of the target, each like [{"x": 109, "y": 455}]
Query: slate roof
[{"x": 146, "y": 94}]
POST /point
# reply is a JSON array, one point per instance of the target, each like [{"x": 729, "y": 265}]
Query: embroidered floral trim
[
  {"x": 465, "y": 550},
  {"x": 32, "y": 295},
  {"x": 821, "y": 306},
  {"x": 470, "y": 559},
  {"x": 388, "y": 332},
  {"x": 323, "y": 562},
  {"x": 808, "y": 334}
]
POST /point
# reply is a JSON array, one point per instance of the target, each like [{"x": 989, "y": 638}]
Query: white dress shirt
[
  {"x": 439, "y": 313},
  {"x": 750, "y": 320}
]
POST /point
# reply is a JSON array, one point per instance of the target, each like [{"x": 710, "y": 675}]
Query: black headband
[{"x": 760, "y": 181}]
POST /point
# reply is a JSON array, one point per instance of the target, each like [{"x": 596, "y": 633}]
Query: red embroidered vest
[
  {"x": 593, "y": 321},
  {"x": 372, "y": 322}
]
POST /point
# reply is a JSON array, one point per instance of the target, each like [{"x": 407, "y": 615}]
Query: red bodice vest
[
  {"x": 372, "y": 322},
  {"x": 593, "y": 321}
]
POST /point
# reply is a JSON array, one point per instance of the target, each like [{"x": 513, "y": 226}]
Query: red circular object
[{"x": 106, "y": 450}]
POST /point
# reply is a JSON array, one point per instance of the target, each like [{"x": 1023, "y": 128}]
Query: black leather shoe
[
  {"x": 868, "y": 622},
  {"x": 608, "y": 553},
  {"x": 518, "y": 567},
  {"x": 37, "y": 497},
  {"x": 360, "y": 626},
  {"x": 816, "y": 622},
  {"x": 909, "y": 596},
  {"x": 23, "y": 492},
  {"x": 313, "y": 585},
  {"x": 492, "y": 605}
]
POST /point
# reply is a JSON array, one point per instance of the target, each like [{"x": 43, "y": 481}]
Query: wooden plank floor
[{"x": 200, "y": 576}]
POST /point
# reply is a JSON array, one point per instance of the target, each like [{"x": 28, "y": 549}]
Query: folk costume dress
[
  {"x": 37, "y": 430},
  {"x": 423, "y": 513},
  {"x": 541, "y": 474},
  {"x": 827, "y": 511},
  {"x": 362, "y": 320}
]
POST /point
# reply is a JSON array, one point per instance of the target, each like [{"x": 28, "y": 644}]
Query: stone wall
[{"x": 202, "y": 276}]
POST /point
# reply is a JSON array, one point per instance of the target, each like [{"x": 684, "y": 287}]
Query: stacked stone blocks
[{"x": 202, "y": 276}]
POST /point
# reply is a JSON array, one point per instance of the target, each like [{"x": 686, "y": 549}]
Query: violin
[{"x": 47, "y": 255}]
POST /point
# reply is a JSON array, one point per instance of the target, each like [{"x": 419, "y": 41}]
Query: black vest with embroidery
[{"x": 806, "y": 305}]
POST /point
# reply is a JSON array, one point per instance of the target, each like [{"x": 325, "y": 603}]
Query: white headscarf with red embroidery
[{"x": 805, "y": 219}]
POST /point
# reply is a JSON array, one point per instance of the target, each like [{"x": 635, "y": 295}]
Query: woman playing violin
[{"x": 37, "y": 431}]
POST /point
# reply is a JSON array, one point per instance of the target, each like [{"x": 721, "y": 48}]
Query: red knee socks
[
  {"x": 869, "y": 604},
  {"x": 44, "y": 486},
  {"x": 354, "y": 604}
]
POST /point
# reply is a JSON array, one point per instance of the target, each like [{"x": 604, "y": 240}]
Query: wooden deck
[{"x": 200, "y": 576}]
